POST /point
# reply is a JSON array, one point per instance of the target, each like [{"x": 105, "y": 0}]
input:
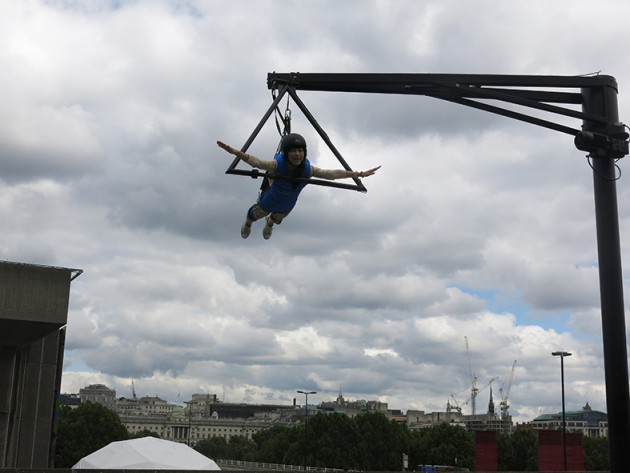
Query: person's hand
[
  {"x": 369, "y": 172},
  {"x": 226, "y": 147},
  {"x": 236, "y": 152}
]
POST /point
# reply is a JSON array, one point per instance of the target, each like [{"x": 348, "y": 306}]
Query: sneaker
[
  {"x": 246, "y": 228},
  {"x": 268, "y": 228}
]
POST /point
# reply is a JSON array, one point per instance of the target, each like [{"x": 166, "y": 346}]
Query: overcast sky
[{"x": 475, "y": 227}]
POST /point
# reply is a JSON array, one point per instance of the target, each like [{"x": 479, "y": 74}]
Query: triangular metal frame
[{"x": 255, "y": 173}]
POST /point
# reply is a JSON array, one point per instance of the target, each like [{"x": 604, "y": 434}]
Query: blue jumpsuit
[{"x": 282, "y": 194}]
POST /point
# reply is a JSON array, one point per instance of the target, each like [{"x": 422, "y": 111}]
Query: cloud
[{"x": 475, "y": 226}]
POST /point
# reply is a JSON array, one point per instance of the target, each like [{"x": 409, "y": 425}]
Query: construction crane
[
  {"x": 473, "y": 382},
  {"x": 505, "y": 393},
  {"x": 457, "y": 405},
  {"x": 489, "y": 383}
]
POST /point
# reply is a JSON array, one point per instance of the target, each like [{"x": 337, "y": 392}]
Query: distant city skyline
[
  {"x": 462, "y": 397},
  {"x": 214, "y": 417}
]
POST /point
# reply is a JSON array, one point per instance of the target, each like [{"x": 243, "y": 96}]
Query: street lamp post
[
  {"x": 562, "y": 354},
  {"x": 306, "y": 393}
]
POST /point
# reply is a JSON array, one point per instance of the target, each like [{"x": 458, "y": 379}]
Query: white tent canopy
[{"x": 147, "y": 453}]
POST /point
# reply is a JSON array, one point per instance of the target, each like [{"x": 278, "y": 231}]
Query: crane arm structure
[
  {"x": 473, "y": 381},
  {"x": 505, "y": 393},
  {"x": 601, "y": 135}
]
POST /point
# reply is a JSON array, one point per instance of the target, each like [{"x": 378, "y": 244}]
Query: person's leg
[
  {"x": 246, "y": 228},
  {"x": 270, "y": 220},
  {"x": 254, "y": 213}
]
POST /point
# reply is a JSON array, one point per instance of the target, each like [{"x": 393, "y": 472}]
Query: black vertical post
[
  {"x": 57, "y": 406},
  {"x": 305, "y": 430},
  {"x": 306, "y": 393},
  {"x": 564, "y": 415},
  {"x": 562, "y": 354},
  {"x": 602, "y": 101}
]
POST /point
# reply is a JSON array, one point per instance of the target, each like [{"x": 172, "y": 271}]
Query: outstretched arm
[
  {"x": 253, "y": 161},
  {"x": 367, "y": 173},
  {"x": 236, "y": 152},
  {"x": 333, "y": 174}
]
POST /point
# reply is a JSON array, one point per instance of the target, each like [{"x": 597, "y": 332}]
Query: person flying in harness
[{"x": 277, "y": 201}]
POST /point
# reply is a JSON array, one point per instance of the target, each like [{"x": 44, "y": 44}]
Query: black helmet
[{"x": 293, "y": 140}]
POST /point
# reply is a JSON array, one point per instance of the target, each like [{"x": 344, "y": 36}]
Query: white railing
[{"x": 243, "y": 465}]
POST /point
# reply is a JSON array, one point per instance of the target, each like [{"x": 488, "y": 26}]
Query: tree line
[
  {"x": 371, "y": 442},
  {"x": 367, "y": 442}
]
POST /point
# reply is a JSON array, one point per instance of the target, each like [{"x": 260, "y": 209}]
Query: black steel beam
[
  {"x": 261, "y": 123},
  {"x": 531, "y": 101},
  {"x": 454, "y": 87},
  {"x": 309, "y": 116},
  {"x": 402, "y": 83},
  {"x": 515, "y": 115}
]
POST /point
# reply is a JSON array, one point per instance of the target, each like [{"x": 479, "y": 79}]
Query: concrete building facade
[
  {"x": 99, "y": 394},
  {"x": 203, "y": 417},
  {"x": 353, "y": 408},
  {"x": 33, "y": 313},
  {"x": 588, "y": 422}
]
